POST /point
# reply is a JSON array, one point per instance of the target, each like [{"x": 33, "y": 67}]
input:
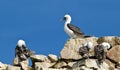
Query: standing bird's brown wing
[
  {"x": 84, "y": 52},
  {"x": 17, "y": 51},
  {"x": 27, "y": 52},
  {"x": 75, "y": 29},
  {"x": 100, "y": 53}
]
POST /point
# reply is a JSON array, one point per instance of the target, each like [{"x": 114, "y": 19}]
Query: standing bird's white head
[
  {"x": 67, "y": 18},
  {"x": 89, "y": 44},
  {"x": 106, "y": 45},
  {"x": 21, "y": 42}
]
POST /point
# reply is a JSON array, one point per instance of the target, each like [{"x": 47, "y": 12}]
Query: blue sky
[{"x": 38, "y": 23}]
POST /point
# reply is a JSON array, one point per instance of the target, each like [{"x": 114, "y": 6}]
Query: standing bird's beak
[{"x": 63, "y": 19}]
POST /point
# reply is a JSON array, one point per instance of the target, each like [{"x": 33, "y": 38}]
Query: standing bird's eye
[{"x": 64, "y": 18}]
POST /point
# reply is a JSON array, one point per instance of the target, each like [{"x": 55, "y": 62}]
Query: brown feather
[{"x": 75, "y": 29}]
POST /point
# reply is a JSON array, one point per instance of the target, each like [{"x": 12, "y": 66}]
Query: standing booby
[
  {"x": 84, "y": 50},
  {"x": 71, "y": 30},
  {"x": 100, "y": 51},
  {"x": 21, "y": 51}
]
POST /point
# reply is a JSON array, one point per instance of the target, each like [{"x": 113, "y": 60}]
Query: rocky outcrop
[
  {"x": 113, "y": 40},
  {"x": 39, "y": 58},
  {"x": 71, "y": 48},
  {"x": 53, "y": 58},
  {"x": 90, "y": 64},
  {"x": 70, "y": 59}
]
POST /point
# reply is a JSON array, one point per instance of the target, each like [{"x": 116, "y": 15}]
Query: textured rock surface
[
  {"x": 13, "y": 68},
  {"x": 70, "y": 64},
  {"x": 43, "y": 65},
  {"x": 3, "y": 66},
  {"x": 39, "y": 58},
  {"x": 113, "y": 40},
  {"x": 90, "y": 64},
  {"x": 71, "y": 48},
  {"x": 60, "y": 64},
  {"x": 111, "y": 65},
  {"x": 24, "y": 65},
  {"x": 114, "y": 53},
  {"x": 16, "y": 61},
  {"x": 70, "y": 59},
  {"x": 53, "y": 58}
]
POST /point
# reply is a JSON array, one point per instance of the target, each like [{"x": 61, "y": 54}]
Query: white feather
[
  {"x": 68, "y": 18},
  {"x": 106, "y": 45},
  {"x": 89, "y": 44},
  {"x": 21, "y": 42},
  {"x": 67, "y": 30}
]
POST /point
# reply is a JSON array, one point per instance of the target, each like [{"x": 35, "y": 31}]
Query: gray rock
[
  {"x": 94, "y": 64},
  {"x": 90, "y": 64},
  {"x": 9, "y": 67},
  {"x": 60, "y": 64},
  {"x": 29, "y": 68},
  {"x": 42, "y": 65},
  {"x": 39, "y": 58},
  {"x": 16, "y": 61},
  {"x": 53, "y": 58},
  {"x": 39, "y": 66},
  {"x": 70, "y": 64},
  {"x": 104, "y": 66},
  {"x": 24, "y": 64},
  {"x": 3, "y": 66},
  {"x": 111, "y": 65},
  {"x": 79, "y": 63}
]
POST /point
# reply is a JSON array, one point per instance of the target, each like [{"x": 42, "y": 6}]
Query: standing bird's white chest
[
  {"x": 68, "y": 31},
  {"x": 71, "y": 30},
  {"x": 66, "y": 28}
]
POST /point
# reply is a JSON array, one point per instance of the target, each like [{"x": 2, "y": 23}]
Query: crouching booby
[
  {"x": 100, "y": 51},
  {"x": 84, "y": 50},
  {"x": 106, "y": 45},
  {"x": 71, "y": 30},
  {"x": 21, "y": 51}
]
